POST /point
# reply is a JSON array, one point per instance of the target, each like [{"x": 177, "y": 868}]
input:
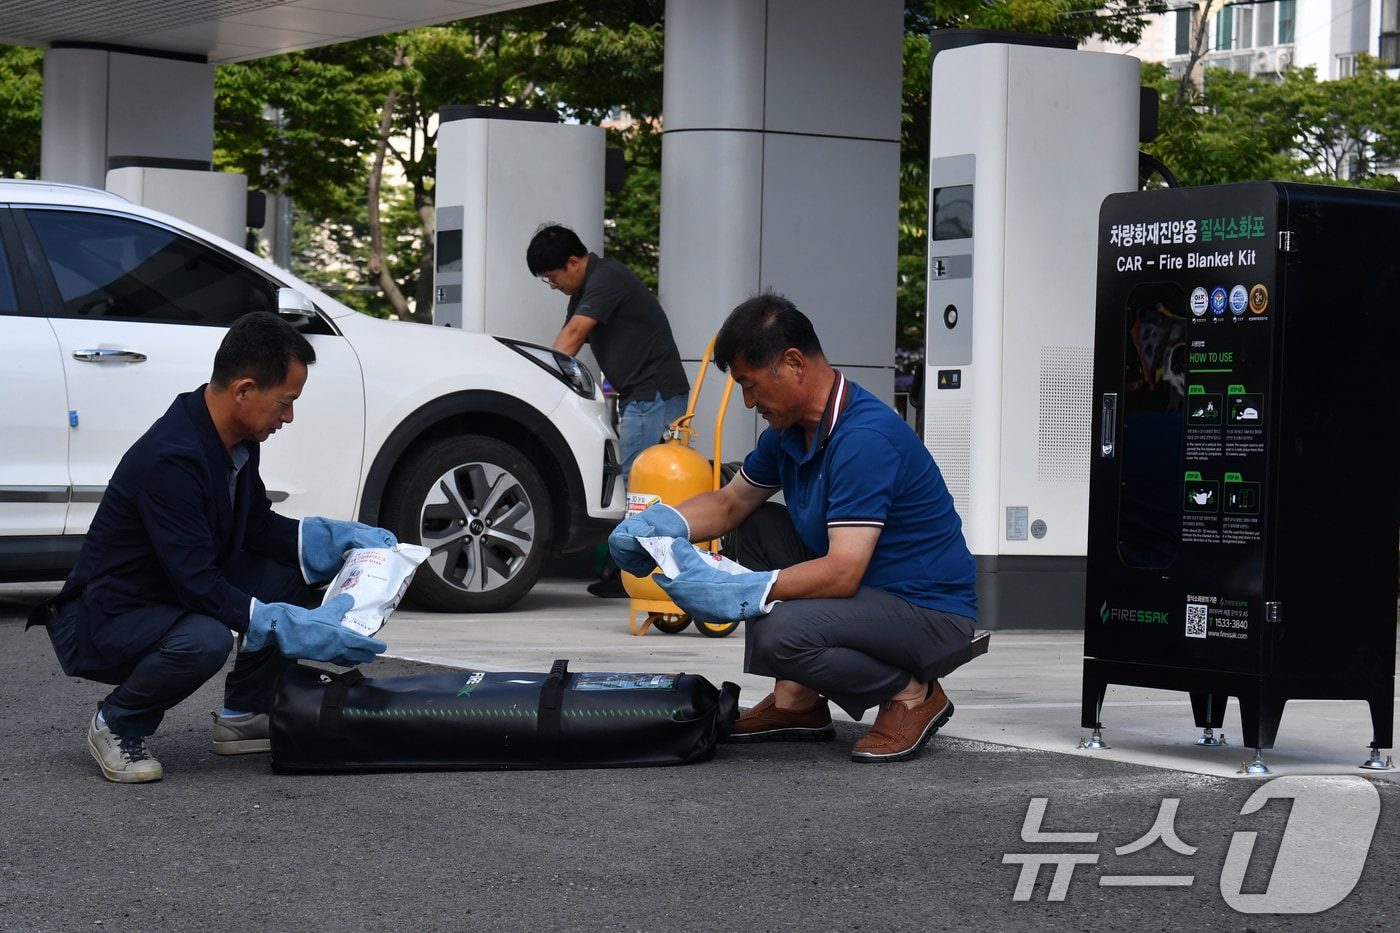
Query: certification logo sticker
[
  {"x": 1217, "y": 301},
  {"x": 1258, "y": 299},
  {"x": 1239, "y": 300},
  {"x": 1199, "y": 300}
]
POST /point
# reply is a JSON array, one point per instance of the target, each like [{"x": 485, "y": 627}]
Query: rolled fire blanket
[{"x": 328, "y": 721}]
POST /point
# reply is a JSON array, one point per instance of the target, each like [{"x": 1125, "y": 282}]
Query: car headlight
[{"x": 560, "y": 365}]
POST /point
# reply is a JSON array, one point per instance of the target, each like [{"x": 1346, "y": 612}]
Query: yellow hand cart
[{"x": 672, "y": 472}]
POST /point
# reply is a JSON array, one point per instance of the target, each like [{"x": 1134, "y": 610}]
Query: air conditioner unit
[{"x": 1271, "y": 62}]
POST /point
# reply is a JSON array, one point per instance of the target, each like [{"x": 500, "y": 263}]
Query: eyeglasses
[{"x": 551, "y": 277}]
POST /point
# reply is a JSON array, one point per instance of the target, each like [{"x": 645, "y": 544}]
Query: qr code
[{"x": 1195, "y": 620}]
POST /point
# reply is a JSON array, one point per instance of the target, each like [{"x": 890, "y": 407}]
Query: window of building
[
  {"x": 1224, "y": 32},
  {"x": 1183, "y": 31},
  {"x": 1244, "y": 27},
  {"x": 1286, "y": 18},
  {"x": 1265, "y": 24},
  {"x": 1390, "y": 32}
]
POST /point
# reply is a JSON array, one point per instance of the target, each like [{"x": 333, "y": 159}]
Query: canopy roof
[{"x": 219, "y": 31}]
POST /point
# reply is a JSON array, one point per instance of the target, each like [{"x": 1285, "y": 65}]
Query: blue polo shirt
[{"x": 867, "y": 468}]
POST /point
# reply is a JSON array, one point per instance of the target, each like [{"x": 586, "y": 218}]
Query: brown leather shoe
[
  {"x": 899, "y": 732},
  {"x": 766, "y": 723}
]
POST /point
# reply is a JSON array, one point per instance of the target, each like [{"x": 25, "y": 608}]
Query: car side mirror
[{"x": 295, "y": 307}]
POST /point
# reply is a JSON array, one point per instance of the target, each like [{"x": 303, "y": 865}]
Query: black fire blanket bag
[{"x": 329, "y": 721}]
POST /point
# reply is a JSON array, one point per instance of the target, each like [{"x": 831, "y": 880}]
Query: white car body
[{"x": 75, "y": 400}]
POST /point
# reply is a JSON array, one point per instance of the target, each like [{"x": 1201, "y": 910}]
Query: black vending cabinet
[{"x": 1243, "y": 504}]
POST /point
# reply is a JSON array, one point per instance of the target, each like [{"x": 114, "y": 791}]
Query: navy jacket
[{"x": 166, "y": 534}]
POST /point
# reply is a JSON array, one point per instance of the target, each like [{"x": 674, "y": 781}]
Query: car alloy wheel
[{"x": 483, "y": 510}]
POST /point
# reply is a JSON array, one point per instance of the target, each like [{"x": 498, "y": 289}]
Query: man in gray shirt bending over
[{"x": 613, "y": 310}]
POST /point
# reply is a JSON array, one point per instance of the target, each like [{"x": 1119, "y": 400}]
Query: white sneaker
[{"x": 124, "y": 759}]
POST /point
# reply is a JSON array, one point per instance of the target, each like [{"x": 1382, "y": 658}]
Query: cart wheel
[
  {"x": 716, "y": 629},
  {"x": 669, "y": 622}
]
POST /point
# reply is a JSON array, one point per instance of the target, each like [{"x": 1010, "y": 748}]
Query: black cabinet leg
[
  {"x": 1382, "y": 719},
  {"x": 1091, "y": 700},
  {"x": 1209, "y": 709}
]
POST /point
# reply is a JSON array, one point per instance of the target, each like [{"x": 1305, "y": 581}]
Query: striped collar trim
[{"x": 836, "y": 404}]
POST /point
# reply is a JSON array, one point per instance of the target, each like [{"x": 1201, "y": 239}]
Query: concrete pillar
[
  {"x": 105, "y": 109},
  {"x": 780, "y": 169}
]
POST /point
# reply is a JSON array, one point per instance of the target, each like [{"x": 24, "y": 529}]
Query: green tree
[
  {"x": 606, "y": 61},
  {"x": 583, "y": 59},
  {"x": 21, "y": 110},
  {"x": 1345, "y": 130},
  {"x": 1113, "y": 20},
  {"x": 634, "y": 213},
  {"x": 911, "y": 290},
  {"x": 301, "y": 123},
  {"x": 1238, "y": 128},
  {"x": 1203, "y": 144}
]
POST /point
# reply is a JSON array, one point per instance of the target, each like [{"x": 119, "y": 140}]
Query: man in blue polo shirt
[{"x": 861, "y": 590}]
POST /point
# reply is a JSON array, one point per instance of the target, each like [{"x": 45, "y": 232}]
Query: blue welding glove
[
  {"x": 659, "y": 520},
  {"x": 313, "y": 634},
  {"x": 322, "y": 543},
  {"x": 712, "y": 595}
]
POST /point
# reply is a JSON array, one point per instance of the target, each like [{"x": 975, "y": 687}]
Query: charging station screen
[
  {"x": 952, "y": 212},
  {"x": 449, "y": 251}
]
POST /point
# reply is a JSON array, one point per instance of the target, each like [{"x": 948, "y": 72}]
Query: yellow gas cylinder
[{"x": 671, "y": 473}]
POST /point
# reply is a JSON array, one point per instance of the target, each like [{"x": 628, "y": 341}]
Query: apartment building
[{"x": 1265, "y": 37}]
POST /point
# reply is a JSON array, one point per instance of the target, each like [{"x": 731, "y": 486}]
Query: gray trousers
[{"x": 857, "y": 652}]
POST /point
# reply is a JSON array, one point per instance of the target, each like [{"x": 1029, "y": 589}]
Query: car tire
[{"x": 483, "y": 509}]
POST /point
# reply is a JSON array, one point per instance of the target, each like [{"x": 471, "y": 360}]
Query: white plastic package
[
  {"x": 377, "y": 577},
  {"x": 659, "y": 548}
]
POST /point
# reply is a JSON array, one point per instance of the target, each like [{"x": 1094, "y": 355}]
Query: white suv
[{"x": 492, "y": 452}]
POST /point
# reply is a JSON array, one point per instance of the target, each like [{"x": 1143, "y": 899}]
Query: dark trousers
[
  {"x": 191, "y": 652},
  {"x": 857, "y": 652}
]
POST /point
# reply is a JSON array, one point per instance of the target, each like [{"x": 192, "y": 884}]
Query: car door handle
[{"x": 109, "y": 356}]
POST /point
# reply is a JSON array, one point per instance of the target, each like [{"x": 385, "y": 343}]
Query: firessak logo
[{"x": 1148, "y": 616}]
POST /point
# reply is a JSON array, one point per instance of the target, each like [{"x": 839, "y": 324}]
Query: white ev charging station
[
  {"x": 1027, "y": 141},
  {"x": 500, "y": 174},
  {"x": 215, "y": 201}
]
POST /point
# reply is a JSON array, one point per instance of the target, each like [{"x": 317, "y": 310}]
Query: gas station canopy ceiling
[{"x": 220, "y": 31}]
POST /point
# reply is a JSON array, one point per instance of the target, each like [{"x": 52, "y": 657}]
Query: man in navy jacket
[{"x": 185, "y": 550}]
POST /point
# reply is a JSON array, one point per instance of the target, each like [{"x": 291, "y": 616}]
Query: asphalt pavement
[{"x": 1002, "y": 823}]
